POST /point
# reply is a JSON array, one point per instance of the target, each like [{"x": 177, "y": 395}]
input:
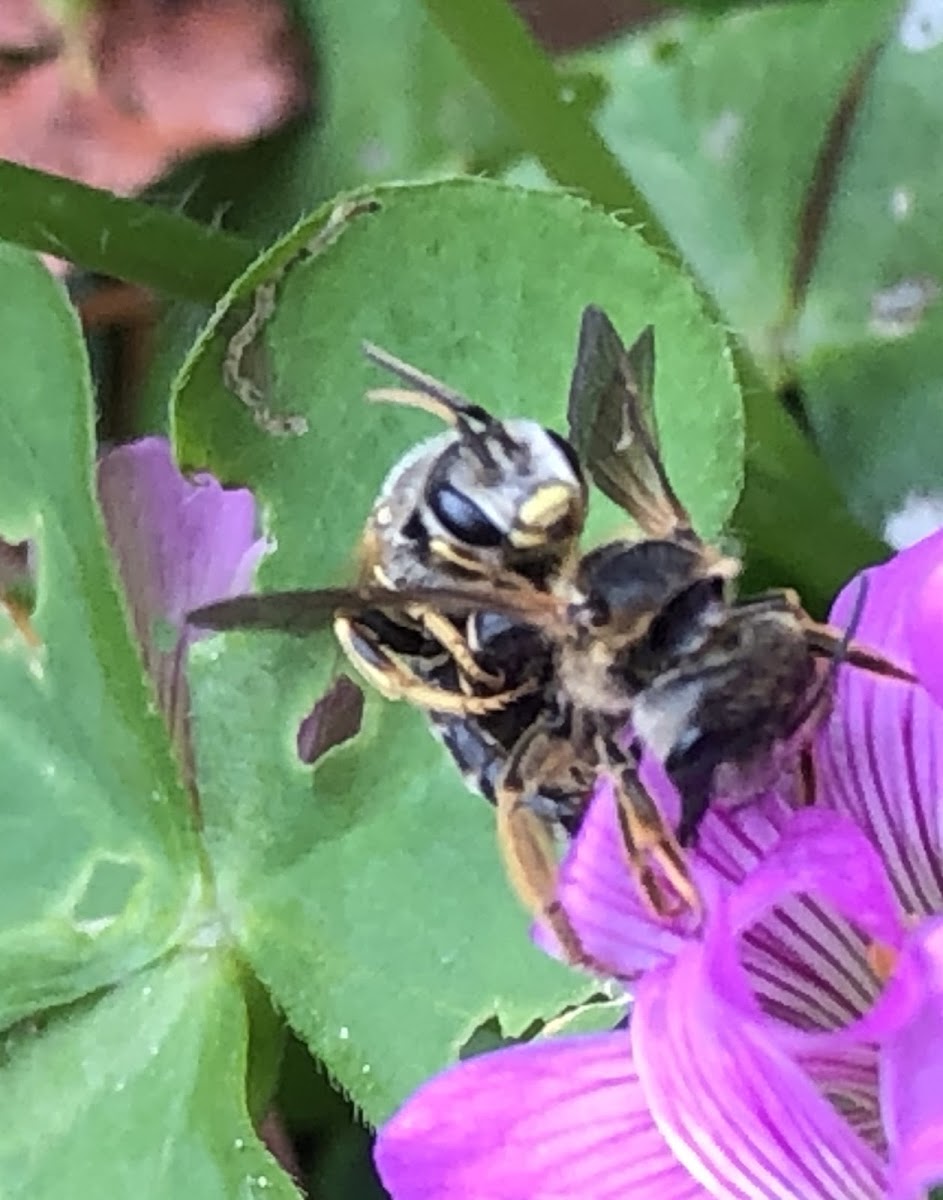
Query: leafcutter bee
[
  {"x": 531, "y": 660},
  {"x": 723, "y": 690},
  {"x": 719, "y": 688}
]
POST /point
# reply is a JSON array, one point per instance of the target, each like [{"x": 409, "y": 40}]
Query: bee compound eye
[{"x": 462, "y": 517}]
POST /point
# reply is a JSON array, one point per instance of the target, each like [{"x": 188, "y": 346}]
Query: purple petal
[
  {"x": 603, "y": 903},
  {"x": 911, "y": 1067},
  {"x": 824, "y": 855},
  {"x": 926, "y": 631},
  {"x": 601, "y": 898},
  {"x": 884, "y": 623},
  {"x": 738, "y": 1111},
  {"x": 806, "y": 966},
  {"x": 807, "y": 917},
  {"x": 178, "y": 544},
  {"x": 551, "y": 1120},
  {"x": 879, "y": 758},
  {"x": 790, "y": 954},
  {"x": 847, "y": 1076},
  {"x": 733, "y": 839}
]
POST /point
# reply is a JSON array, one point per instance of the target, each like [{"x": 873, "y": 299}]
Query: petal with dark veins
[{"x": 551, "y": 1120}]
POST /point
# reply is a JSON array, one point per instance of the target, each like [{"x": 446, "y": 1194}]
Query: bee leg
[
  {"x": 527, "y": 844},
  {"x": 395, "y": 680},
  {"x": 695, "y": 801},
  {"x": 646, "y": 838},
  {"x": 529, "y": 853},
  {"x": 445, "y": 633},
  {"x": 693, "y": 776},
  {"x": 825, "y": 641},
  {"x": 774, "y": 600}
]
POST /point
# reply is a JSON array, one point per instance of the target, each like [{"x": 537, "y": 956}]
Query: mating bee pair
[{"x": 532, "y": 659}]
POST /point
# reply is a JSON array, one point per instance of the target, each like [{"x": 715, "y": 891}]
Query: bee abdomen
[{"x": 477, "y": 755}]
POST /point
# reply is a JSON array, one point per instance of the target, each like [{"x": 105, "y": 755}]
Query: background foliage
[{"x": 760, "y": 184}]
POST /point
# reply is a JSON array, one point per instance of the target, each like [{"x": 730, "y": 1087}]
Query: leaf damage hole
[
  {"x": 18, "y": 586},
  {"x": 104, "y": 891},
  {"x": 333, "y": 720}
]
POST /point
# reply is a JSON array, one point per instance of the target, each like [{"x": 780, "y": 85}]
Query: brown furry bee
[{"x": 474, "y": 603}]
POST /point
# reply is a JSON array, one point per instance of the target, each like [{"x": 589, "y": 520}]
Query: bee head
[{"x": 505, "y": 495}]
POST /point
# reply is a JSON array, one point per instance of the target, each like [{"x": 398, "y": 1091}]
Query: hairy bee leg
[
  {"x": 647, "y": 838},
  {"x": 394, "y": 680},
  {"x": 530, "y": 860},
  {"x": 441, "y": 628},
  {"x": 527, "y": 844},
  {"x": 527, "y": 847},
  {"x": 774, "y": 599}
]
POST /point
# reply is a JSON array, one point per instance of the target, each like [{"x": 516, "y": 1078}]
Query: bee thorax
[{"x": 586, "y": 677}]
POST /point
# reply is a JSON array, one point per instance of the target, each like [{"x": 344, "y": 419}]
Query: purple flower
[
  {"x": 178, "y": 544},
  {"x": 790, "y": 1047}
]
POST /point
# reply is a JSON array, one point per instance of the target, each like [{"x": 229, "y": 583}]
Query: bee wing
[
  {"x": 305, "y": 611},
  {"x": 612, "y": 426}
]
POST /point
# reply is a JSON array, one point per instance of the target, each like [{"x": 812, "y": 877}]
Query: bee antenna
[
  {"x": 841, "y": 650},
  {"x": 476, "y": 441},
  {"x": 471, "y": 420},
  {"x": 839, "y": 654},
  {"x": 452, "y": 405},
  {"x": 857, "y": 613}
]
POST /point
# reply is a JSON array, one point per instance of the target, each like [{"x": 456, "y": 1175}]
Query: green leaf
[
  {"x": 172, "y": 336},
  {"x": 523, "y": 83},
  {"x": 128, "y": 239},
  {"x": 138, "y": 1094},
  {"x": 869, "y": 341},
  {"x": 98, "y": 863},
  {"x": 394, "y": 101},
  {"x": 720, "y": 123},
  {"x": 368, "y": 894}
]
